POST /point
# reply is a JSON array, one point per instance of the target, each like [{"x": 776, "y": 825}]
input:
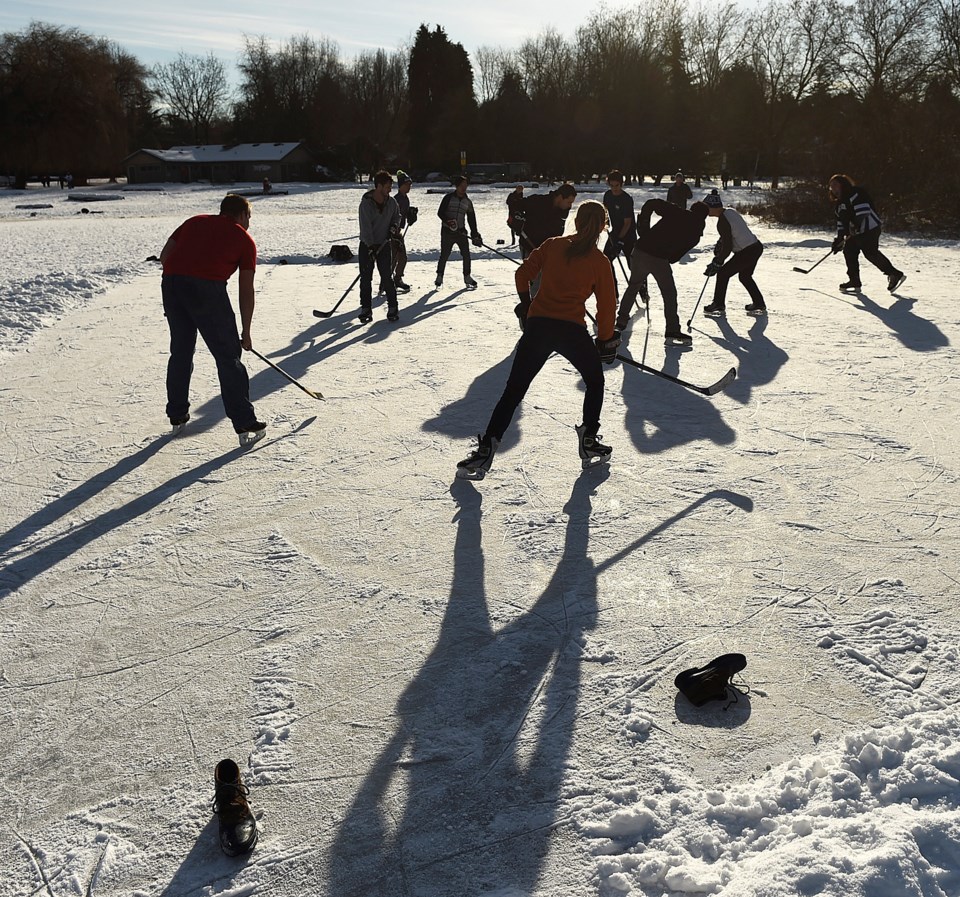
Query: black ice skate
[
  {"x": 400, "y": 285},
  {"x": 477, "y": 463},
  {"x": 439, "y": 281},
  {"x": 469, "y": 282},
  {"x": 393, "y": 313},
  {"x": 850, "y": 287},
  {"x": 712, "y": 681},
  {"x": 755, "y": 309},
  {"x": 252, "y": 433},
  {"x": 894, "y": 280},
  {"x": 713, "y": 310},
  {"x": 676, "y": 338},
  {"x": 178, "y": 423},
  {"x": 238, "y": 828},
  {"x": 592, "y": 450},
  {"x": 366, "y": 315}
]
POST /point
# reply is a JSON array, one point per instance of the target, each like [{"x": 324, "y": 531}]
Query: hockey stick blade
[
  {"x": 720, "y": 385},
  {"x": 322, "y": 314},
  {"x": 798, "y": 270}
]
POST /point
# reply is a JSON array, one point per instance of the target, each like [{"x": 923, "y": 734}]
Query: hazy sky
[{"x": 157, "y": 31}]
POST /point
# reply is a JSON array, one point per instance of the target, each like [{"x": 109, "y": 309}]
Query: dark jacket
[
  {"x": 459, "y": 209},
  {"x": 544, "y": 219},
  {"x": 856, "y": 214},
  {"x": 674, "y": 235},
  {"x": 679, "y": 194}
]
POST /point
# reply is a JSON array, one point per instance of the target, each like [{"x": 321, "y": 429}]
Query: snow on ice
[{"x": 439, "y": 688}]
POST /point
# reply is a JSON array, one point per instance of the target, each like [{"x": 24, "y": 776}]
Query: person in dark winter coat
[
  {"x": 379, "y": 225},
  {"x": 198, "y": 259},
  {"x": 858, "y": 230},
  {"x": 669, "y": 240},
  {"x": 408, "y": 216},
  {"x": 515, "y": 212},
  {"x": 571, "y": 269},
  {"x": 545, "y": 216},
  {"x": 456, "y": 212},
  {"x": 737, "y": 238},
  {"x": 679, "y": 193}
]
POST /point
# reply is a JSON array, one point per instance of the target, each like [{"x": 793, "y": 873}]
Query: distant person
[
  {"x": 456, "y": 212},
  {"x": 515, "y": 215},
  {"x": 408, "y": 217},
  {"x": 858, "y": 230},
  {"x": 69, "y": 181},
  {"x": 379, "y": 217},
  {"x": 668, "y": 241},
  {"x": 623, "y": 231},
  {"x": 679, "y": 193},
  {"x": 267, "y": 186},
  {"x": 737, "y": 238},
  {"x": 545, "y": 216},
  {"x": 198, "y": 259}
]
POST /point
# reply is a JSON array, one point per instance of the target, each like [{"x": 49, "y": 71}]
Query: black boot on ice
[
  {"x": 238, "y": 828},
  {"x": 592, "y": 450},
  {"x": 477, "y": 463}
]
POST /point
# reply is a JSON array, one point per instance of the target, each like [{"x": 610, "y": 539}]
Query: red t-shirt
[{"x": 211, "y": 247}]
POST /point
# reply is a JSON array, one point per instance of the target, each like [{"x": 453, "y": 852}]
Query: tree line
[{"x": 793, "y": 89}]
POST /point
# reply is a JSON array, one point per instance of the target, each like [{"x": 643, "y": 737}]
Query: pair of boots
[{"x": 477, "y": 463}]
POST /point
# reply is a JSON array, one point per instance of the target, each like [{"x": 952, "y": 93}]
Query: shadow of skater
[
  {"x": 916, "y": 333},
  {"x": 463, "y": 798},
  {"x": 206, "y": 867},
  {"x": 461, "y": 418},
  {"x": 759, "y": 359},
  {"x": 35, "y": 559}
]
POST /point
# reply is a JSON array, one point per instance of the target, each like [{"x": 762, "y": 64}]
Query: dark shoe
[
  {"x": 894, "y": 280},
  {"x": 711, "y": 682},
  {"x": 622, "y": 322},
  {"x": 676, "y": 338},
  {"x": 439, "y": 281},
  {"x": 755, "y": 309},
  {"x": 178, "y": 423},
  {"x": 477, "y": 463},
  {"x": 252, "y": 433},
  {"x": 715, "y": 311},
  {"x": 400, "y": 285},
  {"x": 850, "y": 287},
  {"x": 469, "y": 282},
  {"x": 366, "y": 315},
  {"x": 393, "y": 313},
  {"x": 592, "y": 450},
  {"x": 238, "y": 828}
]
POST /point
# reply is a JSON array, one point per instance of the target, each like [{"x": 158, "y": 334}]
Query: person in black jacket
[
  {"x": 679, "y": 193},
  {"x": 858, "y": 230},
  {"x": 456, "y": 212},
  {"x": 545, "y": 216},
  {"x": 669, "y": 240},
  {"x": 408, "y": 215},
  {"x": 515, "y": 216}
]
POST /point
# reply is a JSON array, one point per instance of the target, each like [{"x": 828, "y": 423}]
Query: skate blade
[
  {"x": 465, "y": 473},
  {"x": 250, "y": 438},
  {"x": 587, "y": 463},
  {"x": 757, "y": 314},
  {"x": 177, "y": 429}
]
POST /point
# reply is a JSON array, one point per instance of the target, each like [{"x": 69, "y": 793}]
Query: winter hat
[
  {"x": 403, "y": 177},
  {"x": 713, "y": 200}
]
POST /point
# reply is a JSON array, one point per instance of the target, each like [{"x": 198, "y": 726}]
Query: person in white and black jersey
[
  {"x": 737, "y": 238},
  {"x": 858, "y": 230},
  {"x": 456, "y": 212}
]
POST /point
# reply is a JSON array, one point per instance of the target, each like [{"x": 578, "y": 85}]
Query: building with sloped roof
[{"x": 240, "y": 162}]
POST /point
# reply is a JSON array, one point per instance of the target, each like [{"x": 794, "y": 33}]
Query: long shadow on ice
[
  {"x": 41, "y": 556},
  {"x": 206, "y": 867},
  {"x": 915, "y": 333},
  {"x": 463, "y": 799}
]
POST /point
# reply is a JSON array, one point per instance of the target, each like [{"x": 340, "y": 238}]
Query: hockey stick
[
  {"x": 808, "y": 270},
  {"x": 295, "y": 382},
  {"x": 327, "y": 314},
  {"x": 502, "y": 254},
  {"x": 711, "y": 390},
  {"x": 698, "y": 303}
]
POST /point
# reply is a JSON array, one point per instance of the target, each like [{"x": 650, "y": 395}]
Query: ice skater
[{"x": 737, "y": 238}]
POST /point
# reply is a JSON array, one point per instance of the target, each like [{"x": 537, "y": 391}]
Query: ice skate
[
  {"x": 592, "y": 450},
  {"x": 894, "y": 280},
  {"x": 254, "y": 433},
  {"x": 178, "y": 423},
  {"x": 477, "y": 463},
  {"x": 238, "y": 828},
  {"x": 676, "y": 338},
  {"x": 469, "y": 282},
  {"x": 713, "y": 310},
  {"x": 365, "y": 316},
  {"x": 755, "y": 309}
]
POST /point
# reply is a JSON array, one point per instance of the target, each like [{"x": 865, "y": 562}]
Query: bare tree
[
  {"x": 716, "y": 41},
  {"x": 490, "y": 64},
  {"x": 194, "y": 89}
]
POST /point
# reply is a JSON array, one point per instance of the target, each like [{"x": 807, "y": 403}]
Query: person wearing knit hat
[
  {"x": 737, "y": 238},
  {"x": 679, "y": 193}
]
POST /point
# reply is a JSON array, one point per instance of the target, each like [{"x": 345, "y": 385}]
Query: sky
[{"x": 155, "y": 33}]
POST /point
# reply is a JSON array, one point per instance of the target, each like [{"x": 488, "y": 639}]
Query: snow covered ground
[{"x": 442, "y": 689}]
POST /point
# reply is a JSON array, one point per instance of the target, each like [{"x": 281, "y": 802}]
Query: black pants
[
  {"x": 541, "y": 338},
  {"x": 743, "y": 264},
  {"x": 383, "y": 260},
  {"x": 449, "y": 239},
  {"x": 192, "y": 305},
  {"x": 869, "y": 245}
]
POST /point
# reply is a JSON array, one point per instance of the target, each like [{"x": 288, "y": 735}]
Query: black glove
[
  {"x": 713, "y": 268},
  {"x": 616, "y": 247},
  {"x": 521, "y": 309},
  {"x": 837, "y": 245},
  {"x": 519, "y": 219},
  {"x": 374, "y": 249},
  {"x": 608, "y": 348},
  {"x": 412, "y": 213},
  {"x": 476, "y": 239}
]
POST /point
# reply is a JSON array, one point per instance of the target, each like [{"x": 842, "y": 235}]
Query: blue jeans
[{"x": 192, "y": 306}]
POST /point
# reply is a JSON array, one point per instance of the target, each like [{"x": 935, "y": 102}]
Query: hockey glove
[
  {"x": 521, "y": 309},
  {"x": 837, "y": 245},
  {"x": 713, "y": 268},
  {"x": 476, "y": 239},
  {"x": 608, "y": 348},
  {"x": 412, "y": 213}
]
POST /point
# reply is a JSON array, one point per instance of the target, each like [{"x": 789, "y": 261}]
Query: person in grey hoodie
[
  {"x": 456, "y": 212},
  {"x": 379, "y": 222}
]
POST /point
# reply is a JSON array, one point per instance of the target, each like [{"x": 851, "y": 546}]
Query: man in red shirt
[{"x": 198, "y": 259}]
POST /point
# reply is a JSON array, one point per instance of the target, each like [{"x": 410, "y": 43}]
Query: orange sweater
[{"x": 566, "y": 284}]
